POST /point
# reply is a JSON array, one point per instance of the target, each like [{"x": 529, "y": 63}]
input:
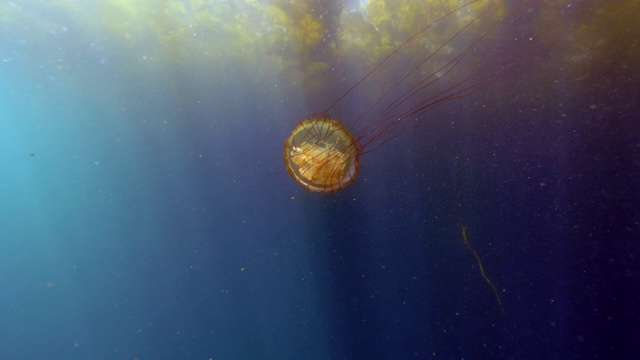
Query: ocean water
[{"x": 146, "y": 213}]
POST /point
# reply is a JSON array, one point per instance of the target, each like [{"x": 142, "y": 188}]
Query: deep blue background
[{"x": 152, "y": 218}]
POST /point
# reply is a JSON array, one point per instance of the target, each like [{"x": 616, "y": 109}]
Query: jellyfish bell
[{"x": 322, "y": 155}]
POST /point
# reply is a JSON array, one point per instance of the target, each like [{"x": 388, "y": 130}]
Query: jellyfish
[{"x": 323, "y": 153}]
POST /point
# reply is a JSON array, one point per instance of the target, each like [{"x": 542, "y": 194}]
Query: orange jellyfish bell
[{"x": 322, "y": 155}]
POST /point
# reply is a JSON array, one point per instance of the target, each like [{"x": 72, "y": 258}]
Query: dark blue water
[{"x": 145, "y": 212}]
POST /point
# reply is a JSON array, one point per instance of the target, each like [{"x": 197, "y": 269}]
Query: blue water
[{"x": 145, "y": 212}]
